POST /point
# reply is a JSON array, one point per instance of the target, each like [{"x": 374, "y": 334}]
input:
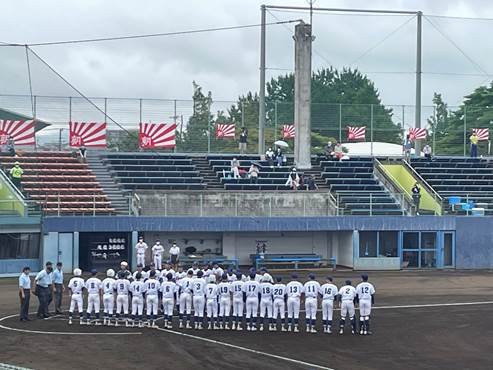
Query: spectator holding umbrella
[{"x": 279, "y": 156}]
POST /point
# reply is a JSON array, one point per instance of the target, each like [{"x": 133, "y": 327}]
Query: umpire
[
  {"x": 58, "y": 287},
  {"x": 25, "y": 293},
  {"x": 42, "y": 290}
]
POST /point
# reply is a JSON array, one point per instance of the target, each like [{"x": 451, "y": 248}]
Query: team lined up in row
[{"x": 243, "y": 297}]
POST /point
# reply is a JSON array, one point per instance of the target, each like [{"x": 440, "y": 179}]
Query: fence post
[
  {"x": 105, "y": 109},
  {"x": 465, "y": 129},
  {"x": 434, "y": 128},
  {"x": 208, "y": 128},
  {"x": 371, "y": 129},
  {"x": 275, "y": 120},
  {"x": 140, "y": 110},
  {"x": 340, "y": 122},
  {"x": 166, "y": 204},
  {"x": 34, "y": 106}
]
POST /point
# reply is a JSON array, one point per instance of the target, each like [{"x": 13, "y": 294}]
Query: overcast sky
[{"x": 227, "y": 62}]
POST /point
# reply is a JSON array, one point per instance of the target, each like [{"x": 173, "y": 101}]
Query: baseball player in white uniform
[
  {"x": 93, "y": 287},
  {"x": 365, "y": 292},
  {"x": 157, "y": 254},
  {"x": 167, "y": 270},
  {"x": 294, "y": 290},
  {"x": 328, "y": 291},
  {"x": 347, "y": 295},
  {"x": 211, "y": 295},
  {"x": 140, "y": 270},
  {"x": 140, "y": 249},
  {"x": 198, "y": 291},
  {"x": 237, "y": 290},
  {"x": 251, "y": 289},
  {"x": 266, "y": 291},
  {"x": 168, "y": 288},
  {"x": 152, "y": 287},
  {"x": 137, "y": 288},
  {"x": 224, "y": 288},
  {"x": 279, "y": 306},
  {"x": 108, "y": 285},
  {"x": 76, "y": 286},
  {"x": 185, "y": 297},
  {"x": 122, "y": 289},
  {"x": 311, "y": 288}
]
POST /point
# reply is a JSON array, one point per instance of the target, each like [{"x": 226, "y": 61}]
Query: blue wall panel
[{"x": 474, "y": 243}]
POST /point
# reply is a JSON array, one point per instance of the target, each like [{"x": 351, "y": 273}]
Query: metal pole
[
  {"x": 371, "y": 129},
  {"x": 60, "y": 139},
  {"x": 208, "y": 129},
  {"x": 140, "y": 110},
  {"x": 465, "y": 129},
  {"x": 275, "y": 120},
  {"x": 434, "y": 128},
  {"x": 340, "y": 122},
  {"x": 105, "y": 109},
  {"x": 417, "y": 119},
  {"x": 174, "y": 119},
  {"x": 261, "y": 97},
  {"x": 343, "y": 10}
]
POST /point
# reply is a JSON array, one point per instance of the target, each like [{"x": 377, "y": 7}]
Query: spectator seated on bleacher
[
  {"x": 253, "y": 174},
  {"x": 279, "y": 157},
  {"x": 338, "y": 153},
  {"x": 293, "y": 180},
  {"x": 235, "y": 168},
  {"x": 310, "y": 183},
  {"x": 427, "y": 152},
  {"x": 269, "y": 156}
]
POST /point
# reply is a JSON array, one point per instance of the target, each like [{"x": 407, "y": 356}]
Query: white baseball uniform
[
  {"x": 137, "y": 288},
  {"x": 157, "y": 254},
  {"x": 328, "y": 292},
  {"x": 224, "y": 299},
  {"x": 347, "y": 293},
  {"x": 311, "y": 289},
  {"x": 364, "y": 291},
  {"x": 93, "y": 286},
  {"x": 198, "y": 291},
  {"x": 237, "y": 289},
  {"x": 122, "y": 289},
  {"x": 278, "y": 293},
  {"x": 251, "y": 289},
  {"x": 168, "y": 288},
  {"x": 108, "y": 295},
  {"x": 76, "y": 285},
  {"x": 211, "y": 294},
  {"x": 144, "y": 275},
  {"x": 140, "y": 249},
  {"x": 294, "y": 289},
  {"x": 185, "y": 285},
  {"x": 152, "y": 287},
  {"x": 266, "y": 291}
]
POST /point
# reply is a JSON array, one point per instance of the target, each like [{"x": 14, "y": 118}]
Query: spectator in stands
[
  {"x": 310, "y": 183},
  {"x": 16, "y": 175},
  {"x": 416, "y": 191},
  {"x": 329, "y": 149},
  {"x": 235, "y": 168},
  {"x": 427, "y": 152},
  {"x": 338, "y": 151},
  {"x": 253, "y": 173},
  {"x": 10, "y": 146},
  {"x": 293, "y": 179},
  {"x": 406, "y": 147},
  {"x": 473, "y": 139},
  {"x": 279, "y": 156},
  {"x": 243, "y": 140},
  {"x": 83, "y": 153},
  {"x": 269, "y": 156}
]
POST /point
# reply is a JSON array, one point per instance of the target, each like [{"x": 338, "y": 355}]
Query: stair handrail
[
  {"x": 17, "y": 193},
  {"x": 423, "y": 182}
]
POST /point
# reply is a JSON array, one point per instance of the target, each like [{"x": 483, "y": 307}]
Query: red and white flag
[
  {"x": 356, "y": 133},
  {"x": 89, "y": 134},
  {"x": 225, "y": 130},
  {"x": 288, "y": 131},
  {"x": 417, "y": 133},
  {"x": 482, "y": 133},
  {"x": 157, "y": 135},
  {"x": 21, "y": 132}
]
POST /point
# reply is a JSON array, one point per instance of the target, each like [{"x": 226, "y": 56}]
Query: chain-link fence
[{"x": 448, "y": 131}]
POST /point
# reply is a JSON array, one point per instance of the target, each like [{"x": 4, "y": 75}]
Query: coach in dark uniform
[
  {"x": 25, "y": 293},
  {"x": 42, "y": 290}
]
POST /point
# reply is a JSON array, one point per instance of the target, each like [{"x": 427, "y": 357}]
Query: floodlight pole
[{"x": 263, "y": 8}]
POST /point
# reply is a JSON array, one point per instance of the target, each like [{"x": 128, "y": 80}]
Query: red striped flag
[
  {"x": 21, "y": 132},
  {"x": 225, "y": 130},
  {"x": 356, "y": 133},
  {"x": 288, "y": 131},
  {"x": 482, "y": 133},
  {"x": 89, "y": 134},
  {"x": 157, "y": 135},
  {"x": 417, "y": 133}
]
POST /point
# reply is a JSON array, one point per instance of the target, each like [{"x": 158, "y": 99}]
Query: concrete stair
[
  {"x": 316, "y": 172},
  {"x": 119, "y": 200},
  {"x": 209, "y": 176}
]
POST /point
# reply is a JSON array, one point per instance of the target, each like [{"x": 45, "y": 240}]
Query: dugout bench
[
  {"x": 223, "y": 261},
  {"x": 295, "y": 260}
]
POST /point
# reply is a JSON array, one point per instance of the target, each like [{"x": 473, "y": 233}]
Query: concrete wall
[
  {"x": 344, "y": 249},
  {"x": 231, "y": 204},
  {"x": 474, "y": 243}
]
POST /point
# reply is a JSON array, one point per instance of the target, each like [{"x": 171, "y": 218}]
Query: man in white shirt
[
  {"x": 140, "y": 249},
  {"x": 174, "y": 254},
  {"x": 157, "y": 253},
  {"x": 365, "y": 292}
]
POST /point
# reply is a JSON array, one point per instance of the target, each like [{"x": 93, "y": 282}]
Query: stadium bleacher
[
  {"x": 154, "y": 171},
  {"x": 358, "y": 191},
  {"x": 59, "y": 183},
  {"x": 471, "y": 179}
]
